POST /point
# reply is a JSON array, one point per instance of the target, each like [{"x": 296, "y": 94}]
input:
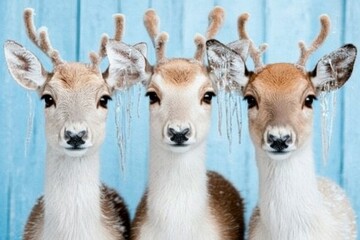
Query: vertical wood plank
[{"x": 351, "y": 130}]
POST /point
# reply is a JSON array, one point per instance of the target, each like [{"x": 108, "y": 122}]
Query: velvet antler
[
  {"x": 305, "y": 52},
  {"x": 40, "y": 39},
  {"x": 152, "y": 24},
  {"x": 96, "y": 58},
  {"x": 255, "y": 53}
]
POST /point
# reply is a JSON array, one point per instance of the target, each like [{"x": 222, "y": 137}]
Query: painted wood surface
[{"x": 75, "y": 28}]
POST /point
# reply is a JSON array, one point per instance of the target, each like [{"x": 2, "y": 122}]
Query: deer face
[
  {"x": 280, "y": 96},
  {"x": 180, "y": 94},
  {"x": 280, "y": 109},
  {"x": 75, "y": 99},
  {"x": 75, "y": 96}
]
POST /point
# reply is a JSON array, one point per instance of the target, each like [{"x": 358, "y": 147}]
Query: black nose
[
  {"x": 75, "y": 139},
  {"x": 178, "y": 137},
  {"x": 278, "y": 143}
]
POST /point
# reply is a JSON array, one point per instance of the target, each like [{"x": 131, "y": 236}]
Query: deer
[
  {"x": 293, "y": 202},
  {"x": 75, "y": 204},
  {"x": 182, "y": 200}
]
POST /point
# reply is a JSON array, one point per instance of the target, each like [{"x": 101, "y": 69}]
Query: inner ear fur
[
  {"x": 128, "y": 65},
  {"x": 228, "y": 69},
  {"x": 24, "y": 66},
  {"x": 334, "y": 69}
]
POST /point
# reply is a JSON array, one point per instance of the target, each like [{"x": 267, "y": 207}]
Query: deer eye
[
  {"x": 49, "y": 100},
  {"x": 309, "y": 101},
  {"x": 251, "y": 101},
  {"x": 103, "y": 101},
  {"x": 207, "y": 97},
  {"x": 153, "y": 97}
]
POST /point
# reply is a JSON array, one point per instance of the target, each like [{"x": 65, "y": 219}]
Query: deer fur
[
  {"x": 293, "y": 202},
  {"x": 183, "y": 200},
  {"x": 75, "y": 204}
]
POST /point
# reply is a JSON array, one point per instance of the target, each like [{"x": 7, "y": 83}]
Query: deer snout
[
  {"x": 279, "y": 139},
  {"x": 75, "y": 136},
  {"x": 178, "y": 134}
]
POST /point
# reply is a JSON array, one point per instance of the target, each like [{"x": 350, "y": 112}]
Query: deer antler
[
  {"x": 152, "y": 24},
  {"x": 216, "y": 19},
  {"x": 305, "y": 52},
  {"x": 41, "y": 39},
  {"x": 96, "y": 58},
  {"x": 255, "y": 53}
]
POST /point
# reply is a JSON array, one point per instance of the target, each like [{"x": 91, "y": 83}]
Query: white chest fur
[
  {"x": 72, "y": 199},
  {"x": 178, "y": 200}
]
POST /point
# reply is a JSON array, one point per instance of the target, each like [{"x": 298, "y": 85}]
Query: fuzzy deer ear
[
  {"x": 128, "y": 66},
  {"x": 334, "y": 69},
  {"x": 142, "y": 48},
  {"x": 24, "y": 67},
  {"x": 241, "y": 47},
  {"x": 227, "y": 66}
]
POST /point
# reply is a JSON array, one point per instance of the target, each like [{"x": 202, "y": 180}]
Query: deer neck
[
  {"x": 72, "y": 197},
  {"x": 289, "y": 199},
  {"x": 177, "y": 193}
]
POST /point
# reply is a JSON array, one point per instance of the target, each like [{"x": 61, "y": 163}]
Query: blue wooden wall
[{"x": 75, "y": 28}]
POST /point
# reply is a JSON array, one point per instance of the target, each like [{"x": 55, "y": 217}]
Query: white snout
[
  {"x": 75, "y": 138},
  {"x": 179, "y": 135},
  {"x": 279, "y": 142}
]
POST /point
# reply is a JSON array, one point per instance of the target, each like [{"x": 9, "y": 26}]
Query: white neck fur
[
  {"x": 289, "y": 200},
  {"x": 178, "y": 195},
  {"x": 72, "y": 198}
]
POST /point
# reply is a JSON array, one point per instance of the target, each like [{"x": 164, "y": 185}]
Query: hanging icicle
[
  {"x": 328, "y": 110},
  {"x": 126, "y": 102},
  {"x": 30, "y": 123},
  {"x": 228, "y": 101}
]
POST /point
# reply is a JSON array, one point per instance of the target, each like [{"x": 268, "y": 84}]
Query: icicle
[
  {"x": 139, "y": 96},
  {"x": 228, "y": 101},
  {"x": 30, "y": 123},
  {"x": 328, "y": 110},
  {"x": 119, "y": 115},
  {"x": 238, "y": 117}
]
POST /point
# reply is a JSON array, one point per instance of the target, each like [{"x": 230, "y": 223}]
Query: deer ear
[
  {"x": 142, "y": 48},
  {"x": 334, "y": 69},
  {"x": 128, "y": 66},
  {"x": 228, "y": 69},
  {"x": 241, "y": 47},
  {"x": 24, "y": 67}
]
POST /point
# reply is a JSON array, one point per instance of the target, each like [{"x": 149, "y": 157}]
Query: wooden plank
[{"x": 351, "y": 112}]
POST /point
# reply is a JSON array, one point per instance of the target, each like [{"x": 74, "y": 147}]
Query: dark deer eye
[
  {"x": 251, "y": 101},
  {"x": 207, "y": 97},
  {"x": 49, "y": 100},
  {"x": 309, "y": 101},
  {"x": 153, "y": 97},
  {"x": 103, "y": 101}
]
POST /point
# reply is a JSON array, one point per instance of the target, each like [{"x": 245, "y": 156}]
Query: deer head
[
  {"x": 280, "y": 95},
  {"x": 75, "y": 94},
  {"x": 179, "y": 89}
]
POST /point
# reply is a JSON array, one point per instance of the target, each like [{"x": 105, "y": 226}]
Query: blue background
[{"x": 75, "y": 28}]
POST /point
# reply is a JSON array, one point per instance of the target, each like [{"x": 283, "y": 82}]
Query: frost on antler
[
  {"x": 305, "y": 52},
  {"x": 41, "y": 39},
  {"x": 255, "y": 53},
  {"x": 216, "y": 20}
]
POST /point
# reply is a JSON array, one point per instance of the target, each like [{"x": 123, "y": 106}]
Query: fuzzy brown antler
[
  {"x": 152, "y": 24},
  {"x": 305, "y": 52},
  {"x": 216, "y": 20},
  {"x": 255, "y": 53},
  {"x": 40, "y": 39},
  {"x": 119, "y": 20}
]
